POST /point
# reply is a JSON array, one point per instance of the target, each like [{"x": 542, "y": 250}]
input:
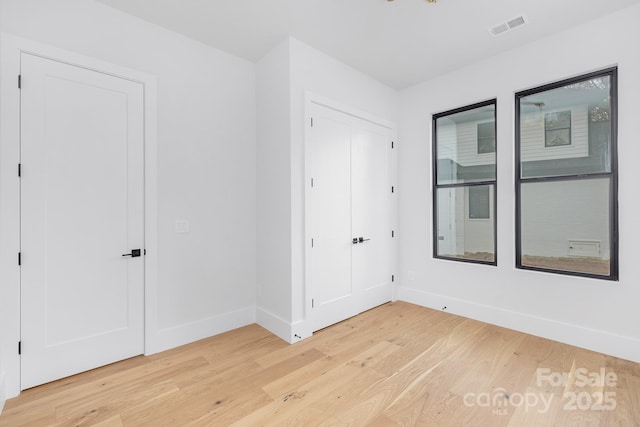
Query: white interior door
[
  {"x": 350, "y": 198},
  {"x": 81, "y": 211},
  {"x": 371, "y": 214},
  {"x": 330, "y": 256}
]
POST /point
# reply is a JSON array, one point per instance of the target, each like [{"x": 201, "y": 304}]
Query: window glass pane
[
  {"x": 567, "y": 130},
  {"x": 465, "y": 146},
  {"x": 565, "y": 225},
  {"x": 459, "y": 234}
]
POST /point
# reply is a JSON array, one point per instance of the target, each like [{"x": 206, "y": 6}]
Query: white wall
[
  {"x": 206, "y": 162},
  {"x": 590, "y": 313},
  {"x": 313, "y": 71},
  {"x": 2, "y": 321},
  {"x": 208, "y": 174},
  {"x": 274, "y": 191}
]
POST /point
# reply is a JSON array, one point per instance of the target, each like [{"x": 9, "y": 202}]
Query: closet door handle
[
  {"x": 134, "y": 253},
  {"x": 362, "y": 240}
]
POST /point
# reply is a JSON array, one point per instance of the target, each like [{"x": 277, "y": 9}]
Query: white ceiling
[{"x": 399, "y": 43}]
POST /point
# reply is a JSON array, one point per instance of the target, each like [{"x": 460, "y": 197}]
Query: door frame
[
  {"x": 11, "y": 49},
  {"x": 311, "y": 99}
]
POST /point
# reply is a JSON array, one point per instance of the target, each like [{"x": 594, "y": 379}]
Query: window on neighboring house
[
  {"x": 464, "y": 184},
  {"x": 566, "y": 177},
  {"x": 557, "y": 128},
  {"x": 486, "y": 137},
  {"x": 479, "y": 202}
]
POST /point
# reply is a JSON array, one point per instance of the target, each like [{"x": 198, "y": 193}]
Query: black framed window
[
  {"x": 464, "y": 184},
  {"x": 566, "y": 177}
]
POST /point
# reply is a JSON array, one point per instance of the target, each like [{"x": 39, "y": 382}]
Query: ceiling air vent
[{"x": 507, "y": 26}]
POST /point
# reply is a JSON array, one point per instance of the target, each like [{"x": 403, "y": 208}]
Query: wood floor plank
[
  {"x": 627, "y": 402},
  {"x": 104, "y": 406},
  {"x": 71, "y": 385},
  {"x": 114, "y": 421},
  {"x": 328, "y": 387},
  {"x": 382, "y": 395},
  {"x": 396, "y": 365},
  {"x": 17, "y": 416}
]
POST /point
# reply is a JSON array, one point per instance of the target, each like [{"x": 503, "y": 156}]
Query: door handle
[
  {"x": 362, "y": 239},
  {"x": 134, "y": 253}
]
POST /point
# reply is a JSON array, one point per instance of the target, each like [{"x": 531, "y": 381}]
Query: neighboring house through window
[
  {"x": 464, "y": 184},
  {"x": 566, "y": 177}
]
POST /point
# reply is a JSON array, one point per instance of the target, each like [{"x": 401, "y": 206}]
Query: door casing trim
[{"x": 11, "y": 49}]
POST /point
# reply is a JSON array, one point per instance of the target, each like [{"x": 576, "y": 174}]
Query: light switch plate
[{"x": 182, "y": 226}]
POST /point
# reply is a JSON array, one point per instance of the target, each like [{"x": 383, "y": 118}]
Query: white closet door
[
  {"x": 371, "y": 214},
  {"x": 350, "y": 219},
  {"x": 330, "y": 263},
  {"x": 81, "y": 211}
]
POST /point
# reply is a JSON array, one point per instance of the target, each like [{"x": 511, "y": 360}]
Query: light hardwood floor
[{"x": 398, "y": 364}]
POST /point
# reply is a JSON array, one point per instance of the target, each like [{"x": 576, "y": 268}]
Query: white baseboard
[
  {"x": 289, "y": 332},
  {"x": 3, "y": 394},
  {"x": 169, "y": 338},
  {"x": 274, "y": 324},
  {"x": 592, "y": 339}
]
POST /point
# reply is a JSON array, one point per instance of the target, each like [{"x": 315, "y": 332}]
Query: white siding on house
[
  {"x": 459, "y": 142},
  {"x": 468, "y": 146},
  {"x": 532, "y": 136},
  {"x": 557, "y": 213}
]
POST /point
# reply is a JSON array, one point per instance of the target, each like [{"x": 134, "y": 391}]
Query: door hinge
[
  {"x": 311, "y": 121},
  {"x": 312, "y": 242},
  {"x": 19, "y": 169},
  {"x": 393, "y": 233},
  {"x": 313, "y": 303},
  {"x": 19, "y": 347},
  {"x": 311, "y": 182},
  {"x": 145, "y": 251},
  {"x": 393, "y": 278},
  {"x": 391, "y": 144},
  {"x": 393, "y": 189},
  {"x": 19, "y": 81},
  {"x": 19, "y": 258}
]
